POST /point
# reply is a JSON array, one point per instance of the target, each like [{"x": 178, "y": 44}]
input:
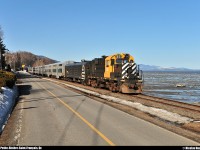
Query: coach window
[{"x": 59, "y": 70}]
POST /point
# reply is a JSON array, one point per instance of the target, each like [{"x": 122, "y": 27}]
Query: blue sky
[{"x": 156, "y": 32}]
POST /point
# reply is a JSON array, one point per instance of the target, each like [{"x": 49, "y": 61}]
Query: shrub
[{"x": 7, "y": 79}]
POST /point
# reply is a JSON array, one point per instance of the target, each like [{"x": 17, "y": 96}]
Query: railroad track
[{"x": 170, "y": 102}]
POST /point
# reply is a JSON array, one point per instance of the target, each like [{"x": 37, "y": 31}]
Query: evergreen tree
[{"x": 2, "y": 51}]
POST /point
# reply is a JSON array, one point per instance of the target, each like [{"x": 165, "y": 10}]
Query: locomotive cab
[{"x": 116, "y": 66}]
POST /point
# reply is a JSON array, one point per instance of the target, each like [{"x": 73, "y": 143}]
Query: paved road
[{"x": 53, "y": 115}]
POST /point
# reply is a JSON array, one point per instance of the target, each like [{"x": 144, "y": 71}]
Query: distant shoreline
[{"x": 196, "y": 71}]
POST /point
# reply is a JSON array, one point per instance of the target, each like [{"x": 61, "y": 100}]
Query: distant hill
[
  {"x": 19, "y": 58},
  {"x": 44, "y": 57},
  {"x": 158, "y": 68}
]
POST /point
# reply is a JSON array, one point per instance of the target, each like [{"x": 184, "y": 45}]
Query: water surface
[{"x": 163, "y": 84}]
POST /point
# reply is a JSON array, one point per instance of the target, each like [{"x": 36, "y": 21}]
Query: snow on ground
[
  {"x": 7, "y": 101},
  {"x": 23, "y": 72},
  {"x": 160, "y": 113}
]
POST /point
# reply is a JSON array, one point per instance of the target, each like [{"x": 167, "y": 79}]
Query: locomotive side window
[
  {"x": 107, "y": 63},
  {"x": 112, "y": 62}
]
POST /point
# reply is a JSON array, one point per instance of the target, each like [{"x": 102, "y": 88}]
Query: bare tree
[
  {"x": 18, "y": 62},
  {"x": 11, "y": 59},
  {"x": 39, "y": 62}
]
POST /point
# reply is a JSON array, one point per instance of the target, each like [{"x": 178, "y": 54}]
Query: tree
[
  {"x": 2, "y": 51},
  {"x": 11, "y": 59},
  {"x": 18, "y": 63}
]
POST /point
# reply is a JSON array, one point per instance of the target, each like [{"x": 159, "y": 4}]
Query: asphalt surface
[{"x": 53, "y": 115}]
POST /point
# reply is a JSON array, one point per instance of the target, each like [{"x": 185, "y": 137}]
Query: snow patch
[
  {"x": 7, "y": 101},
  {"x": 24, "y": 72}
]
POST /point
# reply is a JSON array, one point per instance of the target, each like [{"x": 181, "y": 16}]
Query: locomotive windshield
[{"x": 119, "y": 61}]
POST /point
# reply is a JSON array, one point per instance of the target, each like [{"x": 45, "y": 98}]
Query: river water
[{"x": 163, "y": 84}]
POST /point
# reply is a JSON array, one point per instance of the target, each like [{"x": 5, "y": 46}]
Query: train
[{"x": 117, "y": 73}]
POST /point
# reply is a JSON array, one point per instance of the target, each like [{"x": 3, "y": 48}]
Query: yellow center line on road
[{"x": 82, "y": 118}]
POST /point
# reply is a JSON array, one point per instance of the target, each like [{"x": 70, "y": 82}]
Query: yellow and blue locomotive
[{"x": 118, "y": 73}]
